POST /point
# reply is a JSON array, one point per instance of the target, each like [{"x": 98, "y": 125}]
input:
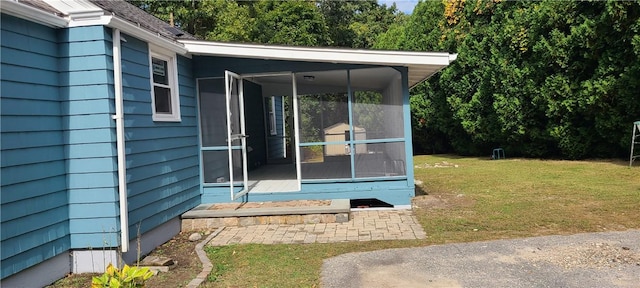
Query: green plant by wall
[{"x": 128, "y": 277}]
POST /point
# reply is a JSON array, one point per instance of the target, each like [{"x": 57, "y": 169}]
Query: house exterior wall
[
  {"x": 163, "y": 177},
  {"x": 59, "y": 167},
  {"x": 34, "y": 209},
  {"x": 86, "y": 77}
]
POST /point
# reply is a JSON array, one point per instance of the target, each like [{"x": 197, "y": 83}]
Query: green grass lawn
[{"x": 469, "y": 199}]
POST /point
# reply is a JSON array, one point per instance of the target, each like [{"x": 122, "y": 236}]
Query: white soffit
[{"x": 421, "y": 64}]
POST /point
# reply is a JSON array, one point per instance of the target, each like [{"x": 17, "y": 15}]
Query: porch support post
[
  {"x": 352, "y": 155},
  {"x": 406, "y": 112},
  {"x": 296, "y": 128}
]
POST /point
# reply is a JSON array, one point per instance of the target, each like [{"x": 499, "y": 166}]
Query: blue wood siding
[
  {"x": 34, "y": 208},
  {"x": 395, "y": 192},
  {"x": 162, "y": 157},
  {"x": 86, "y": 78}
]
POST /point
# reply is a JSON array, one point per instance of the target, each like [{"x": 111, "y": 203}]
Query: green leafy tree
[
  {"x": 290, "y": 23},
  {"x": 541, "y": 79}
]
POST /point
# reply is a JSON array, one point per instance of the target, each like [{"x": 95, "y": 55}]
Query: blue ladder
[
  {"x": 635, "y": 139},
  {"x": 498, "y": 153}
]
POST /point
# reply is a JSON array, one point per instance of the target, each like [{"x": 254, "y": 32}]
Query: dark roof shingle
[
  {"x": 137, "y": 16},
  {"x": 41, "y": 5}
]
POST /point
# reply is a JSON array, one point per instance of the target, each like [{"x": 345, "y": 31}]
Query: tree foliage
[
  {"x": 353, "y": 24},
  {"x": 542, "y": 79}
]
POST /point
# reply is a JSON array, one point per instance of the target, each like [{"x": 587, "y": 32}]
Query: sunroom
[{"x": 287, "y": 123}]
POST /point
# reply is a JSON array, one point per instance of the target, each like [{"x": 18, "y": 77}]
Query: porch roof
[{"x": 421, "y": 65}]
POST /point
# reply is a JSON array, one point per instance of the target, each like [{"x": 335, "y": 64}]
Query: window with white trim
[
  {"x": 165, "y": 102},
  {"x": 272, "y": 116}
]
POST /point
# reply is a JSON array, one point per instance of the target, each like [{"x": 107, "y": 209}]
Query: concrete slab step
[{"x": 202, "y": 218}]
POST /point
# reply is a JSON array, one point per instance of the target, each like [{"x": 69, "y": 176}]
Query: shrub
[{"x": 128, "y": 277}]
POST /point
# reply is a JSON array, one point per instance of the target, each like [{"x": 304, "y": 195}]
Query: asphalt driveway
[{"x": 609, "y": 259}]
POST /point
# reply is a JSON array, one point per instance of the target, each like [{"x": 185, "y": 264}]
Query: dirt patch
[
  {"x": 443, "y": 164},
  {"x": 591, "y": 255},
  {"x": 441, "y": 201},
  {"x": 182, "y": 251},
  {"x": 179, "y": 249},
  {"x": 269, "y": 204}
]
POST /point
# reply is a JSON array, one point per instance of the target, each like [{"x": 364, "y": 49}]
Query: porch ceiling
[{"x": 421, "y": 65}]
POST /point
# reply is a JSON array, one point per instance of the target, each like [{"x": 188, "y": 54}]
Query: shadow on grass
[
  {"x": 420, "y": 191},
  {"x": 621, "y": 162},
  {"x": 615, "y": 161}
]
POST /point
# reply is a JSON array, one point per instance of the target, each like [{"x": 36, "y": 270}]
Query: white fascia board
[
  {"x": 307, "y": 54},
  {"x": 132, "y": 30},
  {"x": 33, "y": 14}
]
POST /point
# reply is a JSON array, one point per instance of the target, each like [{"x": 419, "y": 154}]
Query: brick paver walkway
[{"x": 363, "y": 226}]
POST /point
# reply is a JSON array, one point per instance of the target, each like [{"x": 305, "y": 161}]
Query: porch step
[{"x": 202, "y": 218}]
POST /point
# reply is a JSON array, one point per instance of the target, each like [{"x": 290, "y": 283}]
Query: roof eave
[
  {"x": 413, "y": 82},
  {"x": 132, "y": 30},
  {"x": 315, "y": 54},
  {"x": 422, "y": 65}
]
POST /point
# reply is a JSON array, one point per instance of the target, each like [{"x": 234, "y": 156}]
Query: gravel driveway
[{"x": 609, "y": 259}]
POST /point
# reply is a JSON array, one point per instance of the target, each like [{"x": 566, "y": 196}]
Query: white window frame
[
  {"x": 272, "y": 117},
  {"x": 172, "y": 74}
]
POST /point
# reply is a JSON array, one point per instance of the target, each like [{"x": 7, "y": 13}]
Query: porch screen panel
[
  {"x": 392, "y": 101},
  {"x": 235, "y": 112},
  {"x": 323, "y": 115},
  {"x": 213, "y": 128},
  {"x": 382, "y": 160},
  {"x": 216, "y": 167},
  {"x": 317, "y": 164},
  {"x": 378, "y": 123},
  {"x": 213, "y": 119},
  {"x": 377, "y": 105}
]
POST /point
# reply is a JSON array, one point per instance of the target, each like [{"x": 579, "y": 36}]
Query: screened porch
[
  {"x": 296, "y": 129},
  {"x": 285, "y": 123}
]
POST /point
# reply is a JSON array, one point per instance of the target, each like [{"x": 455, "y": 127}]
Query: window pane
[
  {"x": 320, "y": 162},
  {"x": 380, "y": 160},
  {"x": 162, "y": 99},
  {"x": 160, "y": 74}
]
